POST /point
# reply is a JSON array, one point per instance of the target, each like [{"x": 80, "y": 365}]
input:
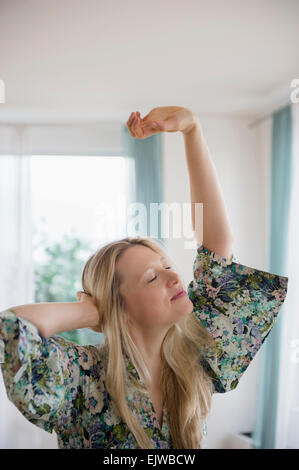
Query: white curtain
[
  {"x": 17, "y": 144},
  {"x": 287, "y": 433},
  {"x": 16, "y": 273}
]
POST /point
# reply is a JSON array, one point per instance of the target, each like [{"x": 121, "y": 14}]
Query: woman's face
[{"x": 148, "y": 284}]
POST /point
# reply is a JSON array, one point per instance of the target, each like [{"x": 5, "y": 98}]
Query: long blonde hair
[{"x": 186, "y": 387}]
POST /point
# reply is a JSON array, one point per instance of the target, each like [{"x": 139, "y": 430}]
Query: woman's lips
[{"x": 178, "y": 296}]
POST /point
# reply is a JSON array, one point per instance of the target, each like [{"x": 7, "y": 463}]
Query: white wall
[
  {"x": 16, "y": 432},
  {"x": 241, "y": 156}
]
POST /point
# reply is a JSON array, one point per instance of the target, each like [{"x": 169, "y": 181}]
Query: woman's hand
[
  {"x": 165, "y": 118},
  {"x": 90, "y": 310}
]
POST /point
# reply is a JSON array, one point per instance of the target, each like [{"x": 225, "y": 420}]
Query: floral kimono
[{"x": 60, "y": 385}]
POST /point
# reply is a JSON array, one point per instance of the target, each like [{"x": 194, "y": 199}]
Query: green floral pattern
[
  {"x": 60, "y": 385},
  {"x": 239, "y": 306}
]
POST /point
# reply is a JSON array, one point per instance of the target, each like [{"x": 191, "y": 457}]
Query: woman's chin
[{"x": 184, "y": 303}]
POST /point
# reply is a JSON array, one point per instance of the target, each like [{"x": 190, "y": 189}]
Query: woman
[{"x": 149, "y": 385}]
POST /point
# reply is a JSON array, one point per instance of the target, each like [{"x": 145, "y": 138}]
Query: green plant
[{"x": 58, "y": 267}]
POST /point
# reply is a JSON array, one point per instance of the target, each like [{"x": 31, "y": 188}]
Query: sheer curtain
[
  {"x": 16, "y": 272},
  {"x": 147, "y": 157},
  {"x": 17, "y": 144},
  {"x": 264, "y": 435},
  {"x": 287, "y": 433}
]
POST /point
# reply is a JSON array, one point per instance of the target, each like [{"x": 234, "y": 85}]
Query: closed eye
[{"x": 157, "y": 276}]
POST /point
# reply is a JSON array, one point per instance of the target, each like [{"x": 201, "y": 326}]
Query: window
[{"x": 77, "y": 204}]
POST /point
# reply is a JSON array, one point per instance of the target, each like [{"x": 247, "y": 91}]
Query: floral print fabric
[
  {"x": 239, "y": 306},
  {"x": 59, "y": 385}
]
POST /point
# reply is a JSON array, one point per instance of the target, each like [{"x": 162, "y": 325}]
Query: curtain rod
[{"x": 269, "y": 114}]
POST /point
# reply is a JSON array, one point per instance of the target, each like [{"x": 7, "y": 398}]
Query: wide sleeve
[
  {"x": 239, "y": 306},
  {"x": 41, "y": 375}
]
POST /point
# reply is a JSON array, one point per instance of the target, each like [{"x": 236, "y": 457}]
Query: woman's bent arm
[{"x": 54, "y": 317}]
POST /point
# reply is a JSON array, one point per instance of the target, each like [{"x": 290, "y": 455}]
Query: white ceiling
[{"x": 71, "y": 59}]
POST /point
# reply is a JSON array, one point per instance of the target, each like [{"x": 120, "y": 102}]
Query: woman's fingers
[
  {"x": 81, "y": 296},
  {"x": 137, "y": 127},
  {"x": 141, "y": 128},
  {"x": 130, "y": 125},
  {"x": 134, "y": 125}
]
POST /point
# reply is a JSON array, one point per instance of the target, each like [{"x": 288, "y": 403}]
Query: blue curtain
[
  {"x": 147, "y": 155},
  {"x": 281, "y": 174}
]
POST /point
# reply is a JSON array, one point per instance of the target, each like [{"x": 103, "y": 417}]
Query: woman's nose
[{"x": 174, "y": 278}]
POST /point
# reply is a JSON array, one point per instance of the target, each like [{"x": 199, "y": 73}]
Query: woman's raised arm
[
  {"x": 204, "y": 184},
  {"x": 205, "y": 188}
]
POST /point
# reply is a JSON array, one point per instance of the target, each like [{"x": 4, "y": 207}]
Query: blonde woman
[{"x": 166, "y": 348}]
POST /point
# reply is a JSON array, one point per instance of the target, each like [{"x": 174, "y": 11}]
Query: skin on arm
[
  {"x": 204, "y": 184},
  {"x": 205, "y": 188},
  {"x": 55, "y": 317}
]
